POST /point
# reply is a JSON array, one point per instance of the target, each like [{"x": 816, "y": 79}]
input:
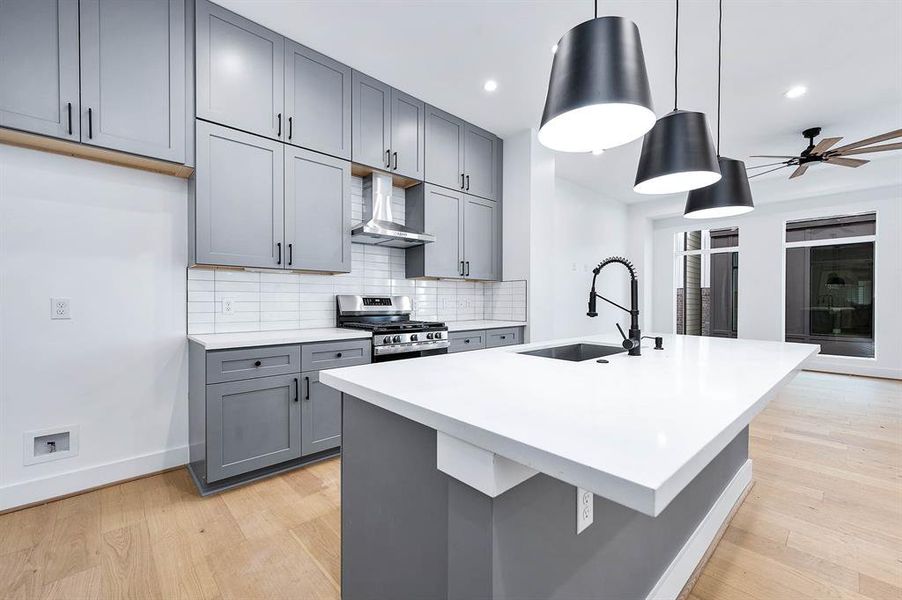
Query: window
[
  {"x": 830, "y": 284},
  {"x": 707, "y": 280}
]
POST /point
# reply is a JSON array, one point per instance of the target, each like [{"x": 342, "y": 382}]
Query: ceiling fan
[{"x": 821, "y": 152}]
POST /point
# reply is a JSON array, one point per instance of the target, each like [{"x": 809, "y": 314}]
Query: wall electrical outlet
[
  {"x": 228, "y": 306},
  {"x": 585, "y": 509},
  {"x": 59, "y": 308}
]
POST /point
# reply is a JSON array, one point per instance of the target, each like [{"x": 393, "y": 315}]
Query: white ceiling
[{"x": 847, "y": 52}]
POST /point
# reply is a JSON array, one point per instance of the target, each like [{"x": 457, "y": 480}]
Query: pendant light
[
  {"x": 677, "y": 154},
  {"x": 731, "y": 195},
  {"x": 598, "y": 94}
]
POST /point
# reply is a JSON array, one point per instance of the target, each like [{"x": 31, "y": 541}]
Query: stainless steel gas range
[{"x": 395, "y": 334}]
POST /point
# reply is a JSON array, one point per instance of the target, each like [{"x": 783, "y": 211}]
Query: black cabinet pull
[
  {"x": 279, "y": 259},
  {"x": 297, "y": 388},
  {"x": 388, "y": 158},
  {"x": 467, "y": 274},
  {"x": 290, "y": 254},
  {"x": 338, "y": 355},
  {"x": 461, "y": 181},
  {"x": 307, "y": 395},
  {"x": 395, "y": 156},
  {"x": 290, "y": 127},
  {"x": 69, "y": 113},
  {"x": 467, "y": 341},
  {"x": 461, "y": 268},
  {"x": 90, "y": 124},
  {"x": 279, "y": 132},
  {"x": 468, "y": 183},
  {"x": 257, "y": 363},
  {"x": 503, "y": 337}
]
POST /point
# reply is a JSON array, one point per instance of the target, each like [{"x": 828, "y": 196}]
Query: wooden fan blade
[
  {"x": 883, "y": 148},
  {"x": 846, "y": 162},
  {"x": 800, "y": 171},
  {"x": 767, "y": 165},
  {"x": 823, "y": 145},
  {"x": 766, "y": 172},
  {"x": 772, "y": 156},
  {"x": 871, "y": 140}
]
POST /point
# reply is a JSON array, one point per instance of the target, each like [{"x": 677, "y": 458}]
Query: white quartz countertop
[
  {"x": 220, "y": 341},
  {"x": 482, "y": 324},
  {"x": 636, "y": 430}
]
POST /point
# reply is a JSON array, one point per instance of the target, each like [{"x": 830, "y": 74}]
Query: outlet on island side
[{"x": 585, "y": 509}]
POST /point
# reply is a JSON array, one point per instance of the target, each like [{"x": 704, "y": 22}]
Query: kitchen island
[{"x": 466, "y": 475}]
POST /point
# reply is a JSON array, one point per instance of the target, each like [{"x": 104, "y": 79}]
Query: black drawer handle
[
  {"x": 338, "y": 355},
  {"x": 307, "y": 395},
  {"x": 258, "y": 363},
  {"x": 467, "y": 341},
  {"x": 503, "y": 337}
]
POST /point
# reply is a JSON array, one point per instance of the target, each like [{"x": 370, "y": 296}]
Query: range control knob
[
  {"x": 413, "y": 337},
  {"x": 396, "y": 339},
  {"x": 428, "y": 336},
  {"x": 438, "y": 335},
  {"x": 386, "y": 339}
]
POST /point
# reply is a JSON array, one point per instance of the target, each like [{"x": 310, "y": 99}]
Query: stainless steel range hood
[{"x": 377, "y": 227}]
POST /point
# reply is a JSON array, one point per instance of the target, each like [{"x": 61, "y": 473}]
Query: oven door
[{"x": 402, "y": 355}]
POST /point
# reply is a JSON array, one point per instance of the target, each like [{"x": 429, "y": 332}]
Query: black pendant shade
[
  {"x": 598, "y": 93},
  {"x": 728, "y": 197},
  {"x": 677, "y": 155}
]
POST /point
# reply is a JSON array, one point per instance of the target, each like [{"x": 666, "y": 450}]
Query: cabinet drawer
[
  {"x": 502, "y": 337},
  {"x": 328, "y": 355},
  {"x": 250, "y": 363},
  {"x": 463, "y": 341}
]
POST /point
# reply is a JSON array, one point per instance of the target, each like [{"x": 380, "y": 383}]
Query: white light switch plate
[
  {"x": 585, "y": 509},
  {"x": 59, "y": 308}
]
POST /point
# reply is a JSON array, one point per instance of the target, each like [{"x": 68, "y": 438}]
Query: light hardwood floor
[{"x": 824, "y": 520}]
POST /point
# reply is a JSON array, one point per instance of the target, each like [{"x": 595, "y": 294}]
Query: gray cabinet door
[
  {"x": 39, "y": 67},
  {"x": 408, "y": 135},
  {"x": 320, "y": 416},
  {"x": 479, "y": 238},
  {"x": 317, "y": 101},
  {"x": 238, "y": 198},
  {"x": 444, "y": 217},
  {"x": 317, "y": 211},
  {"x": 252, "y": 424},
  {"x": 240, "y": 72},
  {"x": 444, "y": 149},
  {"x": 133, "y": 76},
  {"x": 481, "y": 155},
  {"x": 370, "y": 122}
]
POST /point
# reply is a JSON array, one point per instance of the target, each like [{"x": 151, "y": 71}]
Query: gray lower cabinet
[
  {"x": 511, "y": 336},
  {"x": 370, "y": 122},
  {"x": 237, "y": 199},
  {"x": 464, "y": 341},
  {"x": 320, "y": 415},
  {"x": 317, "y": 211},
  {"x": 444, "y": 149},
  {"x": 39, "y": 84},
  {"x": 317, "y": 101},
  {"x": 240, "y": 73},
  {"x": 133, "y": 76},
  {"x": 252, "y": 424}
]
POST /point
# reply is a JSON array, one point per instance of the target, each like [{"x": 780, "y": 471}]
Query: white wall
[
  {"x": 113, "y": 240},
  {"x": 761, "y": 272}
]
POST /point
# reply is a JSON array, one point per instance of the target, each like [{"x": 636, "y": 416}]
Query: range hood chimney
[{"x": 378, "y": 228}]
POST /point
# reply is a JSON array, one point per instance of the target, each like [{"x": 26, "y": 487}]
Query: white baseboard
[
  {"x": 690, "y": 555},
  {"x": 62, "y": 484}
]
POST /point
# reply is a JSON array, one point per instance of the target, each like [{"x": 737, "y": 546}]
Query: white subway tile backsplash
[{"x": 264, "y": 300}]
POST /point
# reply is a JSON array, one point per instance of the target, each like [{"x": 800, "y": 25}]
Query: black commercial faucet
[{"x": 633, "y": 341}]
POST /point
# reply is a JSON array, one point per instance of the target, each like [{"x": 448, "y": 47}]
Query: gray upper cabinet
[
  {"x": 444, "y": 149},
  {"x": 240, "y": 72},
  {"x": 252, "y": 424},
  {"x": 39, "y": 87},
  {"x": 479, "y": 231},
  {"x": 238, "y": 198},
  {"x": 320, "y": 416},
  {"x": 317, "y": 101},
  {"x": 133, "y": 76},
  {"x": 408, "y": 135},
  {"x": 317, "y": 211},
  {"x": 482, "y": 152},
  {"x": 440, "y": 212},
  {"x": 370, "y": 122}
]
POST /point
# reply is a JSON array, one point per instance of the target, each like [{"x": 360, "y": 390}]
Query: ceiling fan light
[
  {"x": 677, "y": 155},
  {"x": 598, "y": 92},
  {"x": 729, "y": 197}
]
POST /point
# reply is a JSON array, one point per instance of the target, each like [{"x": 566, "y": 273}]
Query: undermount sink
[{"x": 575, "y": 352}]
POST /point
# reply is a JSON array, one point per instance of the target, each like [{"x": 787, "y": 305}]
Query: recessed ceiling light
[
  {"x": 490, "y": 86},
  {"x": 796, "y": 91},
  {"x": 554, "y": 49},
  {"x": 598, "y": 151}
]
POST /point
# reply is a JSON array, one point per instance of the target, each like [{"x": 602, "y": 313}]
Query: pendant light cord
[
  {"x": 596, "y": 9},
  {"x": 719, "y": 60},
  {"x": 676, "y": 53}
]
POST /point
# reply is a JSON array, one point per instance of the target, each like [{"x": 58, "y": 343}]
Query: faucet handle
[{"x": 628, "y": 343}]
